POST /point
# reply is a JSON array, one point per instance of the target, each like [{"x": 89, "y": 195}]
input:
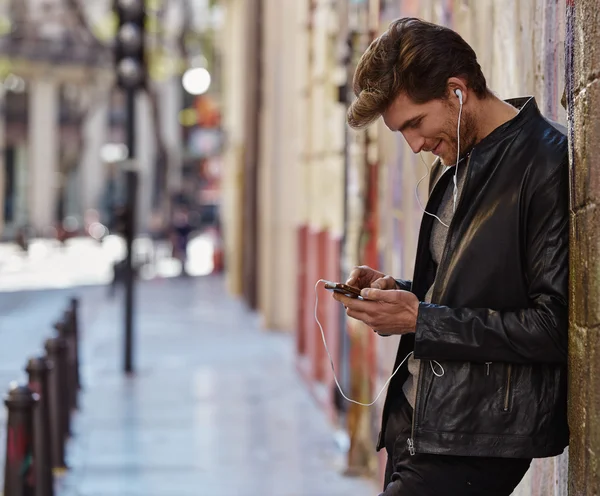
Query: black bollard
[
  {"x": 19, "y": 476},
  {"x": 57, "y": 400},
  {"x": 38, "y": 369},
  {"x": 65, "y": 330},
  {"x": 75, "y": 328}
]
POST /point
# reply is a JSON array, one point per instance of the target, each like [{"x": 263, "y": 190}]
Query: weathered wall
[
  {"x": 583, "y": 94},
  {"x": 520, "y": 46}
]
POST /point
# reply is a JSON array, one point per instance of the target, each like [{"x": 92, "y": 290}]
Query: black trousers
[{"x": 437, "y": 475}]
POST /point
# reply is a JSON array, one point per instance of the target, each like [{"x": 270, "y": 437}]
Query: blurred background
[{"x": 197, "y": 150}]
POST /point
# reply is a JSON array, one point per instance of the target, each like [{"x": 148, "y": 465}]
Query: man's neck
[{"x": 493, "y": 112}]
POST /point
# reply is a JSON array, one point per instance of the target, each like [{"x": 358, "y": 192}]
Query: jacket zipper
[
  {"x": 410, "y": 440},
  {"x": 508, "y": 384},
  {"x": 487, "y": 368}
]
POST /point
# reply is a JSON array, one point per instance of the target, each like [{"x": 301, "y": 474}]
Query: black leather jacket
[{"x": 499, "y": 316}]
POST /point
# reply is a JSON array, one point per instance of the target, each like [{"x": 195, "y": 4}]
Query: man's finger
[
  {"x": 386, "y": 282},
  {"x": 353, "y": 303},
  {"x": 358, "y": 315},
  {"x": 345, "y": 300},
  {"x": 373, "y": 294},
  {"x": 354, "y": 276}
]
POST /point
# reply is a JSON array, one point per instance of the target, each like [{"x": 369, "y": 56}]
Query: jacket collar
[{"x": 528, "y": 110}]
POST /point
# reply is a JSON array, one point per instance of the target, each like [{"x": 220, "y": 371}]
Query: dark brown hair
[{"x": 415, "y": 57}]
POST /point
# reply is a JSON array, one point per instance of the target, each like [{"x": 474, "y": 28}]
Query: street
[
  {"x": 216, "y": 406},
  {"x": 83, "y": 261}
]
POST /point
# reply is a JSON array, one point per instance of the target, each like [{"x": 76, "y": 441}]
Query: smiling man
[{"x": 484, "y": 320}]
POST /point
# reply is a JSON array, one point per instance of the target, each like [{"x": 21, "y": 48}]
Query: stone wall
[{"x": 583, "y": 95}]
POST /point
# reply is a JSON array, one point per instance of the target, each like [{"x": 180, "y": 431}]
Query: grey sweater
[{"x": 437, "y": 241}]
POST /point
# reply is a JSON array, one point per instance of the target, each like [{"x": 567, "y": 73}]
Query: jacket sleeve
[
  {"x": 404, "y": 285},
  {"x": 534, "y": 334}
]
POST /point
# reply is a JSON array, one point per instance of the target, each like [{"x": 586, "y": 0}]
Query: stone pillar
[
  {"x": 92, "y": 169},
  {"x": 43, "y": 153},
  {"x": 145, "y": 153},
  {"x": 234, "y": 40},
  {"x": 277, "y": 191},
  {"x": 170, "y": 105},
  {"x": 583, "y": 96}
]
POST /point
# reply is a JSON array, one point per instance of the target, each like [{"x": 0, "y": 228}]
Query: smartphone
[{"x": 344, "y": 289}]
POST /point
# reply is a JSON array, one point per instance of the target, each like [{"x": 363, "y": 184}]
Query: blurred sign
[
  {"x": 208, "y": 113},
  {"x": 205, "y": 142}
]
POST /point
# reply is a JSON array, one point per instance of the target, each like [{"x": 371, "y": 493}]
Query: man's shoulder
[
  {"x": 551, "y": 138},
  {"x": 562, "y": 129},
  {"x": 551, "y": 157}
]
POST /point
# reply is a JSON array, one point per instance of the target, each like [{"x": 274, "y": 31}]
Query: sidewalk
[{"x": 216, "y": 407}]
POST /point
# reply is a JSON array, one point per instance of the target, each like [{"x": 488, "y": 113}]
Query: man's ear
[{"x": 454, "y": 84}]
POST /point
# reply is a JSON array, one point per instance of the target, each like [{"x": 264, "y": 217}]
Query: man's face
[{"x": 431, "y": 126}]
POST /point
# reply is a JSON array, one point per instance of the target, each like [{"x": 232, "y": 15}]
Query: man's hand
[
  {"x": 384, "y": 311},
  {"x": 366, "y": 277}
]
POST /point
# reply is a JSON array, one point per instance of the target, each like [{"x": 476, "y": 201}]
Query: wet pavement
[
  {"x": 216, "y": 406},
  {"x": 26, "y": 320}
]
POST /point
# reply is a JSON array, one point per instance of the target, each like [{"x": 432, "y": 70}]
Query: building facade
[
  {"x": 61, "y": 110},
  {"x": 348, "y": 197}
]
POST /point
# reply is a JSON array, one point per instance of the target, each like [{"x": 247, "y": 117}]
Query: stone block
[
  {"x": 586, "y": 167},
  {"x": 585, "y": 267},
  {"x": 587, "y": 49},
  {"x": 578, "y": 376},
  {"x": 592, "y": 440}
]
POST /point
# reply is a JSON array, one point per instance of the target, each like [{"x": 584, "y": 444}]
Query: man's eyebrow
[{"x": 410, "y": 122}]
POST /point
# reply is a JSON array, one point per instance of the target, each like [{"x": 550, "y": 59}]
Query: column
[
  {"x": 92, "y": 170},
  {"x": 234, "y": 40},
  {"x": 145, "y": 154},
  {"x": 170, "y": 105},
  {"x": 43, "y": 153}
]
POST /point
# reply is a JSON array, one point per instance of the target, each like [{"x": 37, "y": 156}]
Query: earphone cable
[
  {"x": 333, "y": 367},
  {"x": 417, "y": 193},
  {"x": 457, "y": 153}
]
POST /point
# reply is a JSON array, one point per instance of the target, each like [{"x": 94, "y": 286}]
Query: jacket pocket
[{"x": 508, "y": 388}]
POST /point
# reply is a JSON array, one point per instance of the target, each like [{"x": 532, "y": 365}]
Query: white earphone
[{"x": 459, "y": 95}]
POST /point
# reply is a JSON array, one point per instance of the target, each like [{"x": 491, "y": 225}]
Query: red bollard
[
  {"x": 19, "y": 476},
  {"x": 75, "y": 330},
  {"x": 65, "y": 331},
  {"x": 58, "y": 400},
  {"x": 38, "y": 369}
]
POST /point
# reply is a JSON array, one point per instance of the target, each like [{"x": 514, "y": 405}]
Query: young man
[{"x": 484, "y": 319}]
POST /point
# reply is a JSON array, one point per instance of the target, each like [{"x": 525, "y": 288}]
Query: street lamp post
[{"x": 131, "y": 77}]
